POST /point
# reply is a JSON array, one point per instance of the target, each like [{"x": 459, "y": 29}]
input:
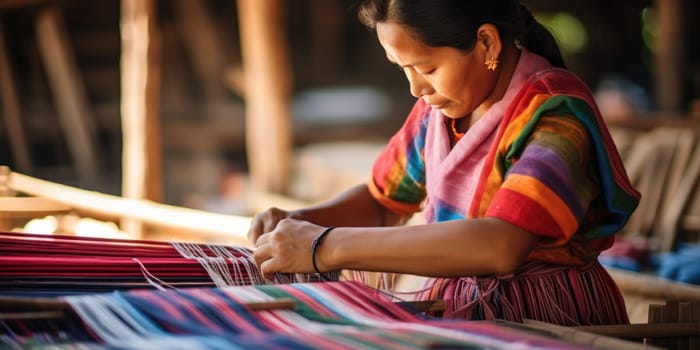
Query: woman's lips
[{"x": 435, "y": 104}]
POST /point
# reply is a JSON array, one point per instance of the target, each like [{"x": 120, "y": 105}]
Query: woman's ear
[{"x": 488, "y": 39}]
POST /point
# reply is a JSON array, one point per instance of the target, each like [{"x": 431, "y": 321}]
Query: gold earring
[{"x": 491, "y": 64}]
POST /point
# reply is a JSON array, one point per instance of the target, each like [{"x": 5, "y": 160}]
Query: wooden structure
[
  {"x": 141, "y": 164},
  {"x": 663, "y": 163},
  {"x": 160, "y": 222},
  {"x": 669, "y": 63},
  {"x": 267, "y": 93},
  {"x": 685, "y": 315},
  {"x": 11, "y": 109}
]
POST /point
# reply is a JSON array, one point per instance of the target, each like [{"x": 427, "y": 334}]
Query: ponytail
[{"x": 539, "y": 40}]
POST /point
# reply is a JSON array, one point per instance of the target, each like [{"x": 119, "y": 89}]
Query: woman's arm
[
  {"x": 354, "y": 207},
  {"x": 466, "y": 247},
  {"x": 454, "y": 248}
]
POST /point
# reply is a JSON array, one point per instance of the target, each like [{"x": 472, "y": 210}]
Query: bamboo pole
[
  {"x": 224, "y": 228},
  {"x": 267, "y": 93},
  {"x": 141, "y": 156},
  {"x": 30, "y": 206}
]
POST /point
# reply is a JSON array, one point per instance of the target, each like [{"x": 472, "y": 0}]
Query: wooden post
[
  {"x": 9, "y": 100},
  {"x": 267, "y": 93},
  {"x": 141, "y": 155},
  {"x": 326, "y": 51},
  {"x": 204, "y": 47},
  {"x": 68, "y": 92},
  {"x": 669, "y": 63}
]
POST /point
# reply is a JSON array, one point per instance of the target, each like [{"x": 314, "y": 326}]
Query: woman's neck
[{"x": 509, "y": 60}]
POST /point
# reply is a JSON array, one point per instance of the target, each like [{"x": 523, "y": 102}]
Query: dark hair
[{"x": 454, "y": 23}]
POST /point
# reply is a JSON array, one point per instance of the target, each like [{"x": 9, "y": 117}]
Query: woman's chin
[{"x": 451, "y": 113}]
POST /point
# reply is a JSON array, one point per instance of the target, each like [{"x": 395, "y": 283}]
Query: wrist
[
  {"x": 315, "y": 247},
  {"x": 295, "y": 214}
]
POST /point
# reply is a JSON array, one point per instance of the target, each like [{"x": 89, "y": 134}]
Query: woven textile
[{"x": 328, "y": 315}]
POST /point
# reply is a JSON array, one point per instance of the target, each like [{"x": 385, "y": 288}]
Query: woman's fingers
[
  {"x": 261, "y": 252},
  {"x": 286, "y": 249},
  {"x": 265, "y": 222},
  {"x": 263, "y": 259},
  {"x": 255, "y": 230},
  {"x": 268, "y": 268}
]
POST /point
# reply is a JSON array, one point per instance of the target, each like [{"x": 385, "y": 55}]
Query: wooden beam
[
  {"x": 215, "y": 227},
  {"x": 31, "y": 207},
  {"x": 583, "y": 337},
  {"x": 645, "y": 330},
  {"x": 652, "y": 120},
  {"x": 12, "y": 115},
  {"x": 20, "y": 4},
  {"x": 654, "y": 287},
  {"x": 70, "y": 97},
  {"x": 268, "y": 82},
  {"x": 669, "y": 65},
  {"x": 141, "y": 155}
]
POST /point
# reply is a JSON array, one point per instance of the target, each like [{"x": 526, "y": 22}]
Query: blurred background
[
  {"x": 342, "y": 89},
  {"x": 229, "y": 107}
]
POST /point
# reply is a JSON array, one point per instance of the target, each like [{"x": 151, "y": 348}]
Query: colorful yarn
[
  {"x": 61, "y": 265},
  {"x": 562, "y": 295},
  {"x": 627, "y": 253},
  {"x": 682, "y": 265},
  {"x": 330, "y": 315}
]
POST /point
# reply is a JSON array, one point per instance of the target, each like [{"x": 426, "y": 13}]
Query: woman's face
[{"x": 448, "y": 79}]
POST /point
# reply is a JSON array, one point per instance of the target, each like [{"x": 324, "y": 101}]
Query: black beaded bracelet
[{"x": 314, "y": 247}]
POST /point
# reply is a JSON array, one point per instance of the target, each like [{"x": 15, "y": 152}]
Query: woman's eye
[{"x": 428, "y": 72}]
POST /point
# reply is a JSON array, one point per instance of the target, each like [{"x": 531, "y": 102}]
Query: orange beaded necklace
[{"x": 456, "y": 135}]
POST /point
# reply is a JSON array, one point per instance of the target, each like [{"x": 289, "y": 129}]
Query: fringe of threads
[{"x": 563, "y": 295}]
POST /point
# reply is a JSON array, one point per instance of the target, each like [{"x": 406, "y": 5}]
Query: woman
[{"x": 504, "y": 152}]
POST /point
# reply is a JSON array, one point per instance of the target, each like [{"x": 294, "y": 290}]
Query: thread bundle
[{"x": 61, "y": 265}]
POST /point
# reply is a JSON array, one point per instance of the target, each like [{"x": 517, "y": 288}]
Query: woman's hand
[
  {"x": 265, "y": 222},
  {"x": 287, "y": 248}
]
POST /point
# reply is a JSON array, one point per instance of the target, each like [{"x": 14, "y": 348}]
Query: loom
[{"x": 77, "y": 292}]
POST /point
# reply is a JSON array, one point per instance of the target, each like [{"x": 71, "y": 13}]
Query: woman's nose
[{"x": 419, "y": 86}]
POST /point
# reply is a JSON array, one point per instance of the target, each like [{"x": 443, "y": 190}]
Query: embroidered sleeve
[{"x": 398, "y": 175}]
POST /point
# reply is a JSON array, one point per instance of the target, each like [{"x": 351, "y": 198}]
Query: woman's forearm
[
  {"x": 354, "y": 207},
  {"x": 454, "y": 248}
]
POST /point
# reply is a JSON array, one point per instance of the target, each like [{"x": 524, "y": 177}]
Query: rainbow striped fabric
[
  {"x": 541, "y": 158},
  {"x": 329, "y": 315}
]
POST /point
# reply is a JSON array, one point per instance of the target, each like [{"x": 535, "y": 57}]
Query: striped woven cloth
[
  {"x": 327, "y": 315},
  {"x": 60, "y": 264}
]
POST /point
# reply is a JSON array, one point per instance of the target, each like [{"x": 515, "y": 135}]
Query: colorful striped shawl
[{"x": 570, "y": 187}]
